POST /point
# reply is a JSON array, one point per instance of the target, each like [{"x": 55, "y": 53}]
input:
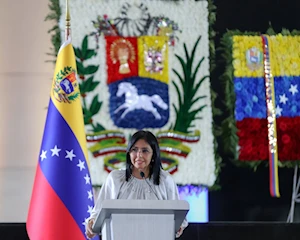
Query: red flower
[
  {"x": 263, "y": 151},
  {"x": 256, "y": 125},
  {"x": 282, "y": 126},
  {"x": 241, "y": 133},
  {"x": 285, "y": 138}
]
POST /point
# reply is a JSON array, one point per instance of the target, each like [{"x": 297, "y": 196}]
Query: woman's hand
[
  {"x": 179, "y": 232},
  {"x": 88, "y": 229}
]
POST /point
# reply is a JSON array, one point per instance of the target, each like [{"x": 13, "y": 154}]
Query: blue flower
[
  {"x": 239, "y": 115},
  {"x": 238, "y": 86},
  {"x": 260, "y": 115},
  {"x": 254, "y": 98},
  {"x": 238, "y": 103},
  {"x": 294, "y": 109},
  {"x": 248, "y": 110}
]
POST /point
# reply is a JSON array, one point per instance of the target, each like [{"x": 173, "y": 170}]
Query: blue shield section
[
  {"x": 138, "y": 103},
  {"x": 67, "y": 86}
]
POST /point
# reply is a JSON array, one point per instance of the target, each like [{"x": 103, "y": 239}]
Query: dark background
[{"x": 244, "y": 194}]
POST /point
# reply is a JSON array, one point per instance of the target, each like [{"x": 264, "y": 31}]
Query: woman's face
[{"x": 140, "y": 155}]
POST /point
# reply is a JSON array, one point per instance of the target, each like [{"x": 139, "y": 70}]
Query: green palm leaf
[{"x": 187, "y": 95}]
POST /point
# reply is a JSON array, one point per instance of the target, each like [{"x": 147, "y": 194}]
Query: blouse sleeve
[{"x": 172, "y": 194}]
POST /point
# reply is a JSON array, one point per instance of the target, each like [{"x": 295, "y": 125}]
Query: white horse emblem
[{"x": 134, "y": 101}]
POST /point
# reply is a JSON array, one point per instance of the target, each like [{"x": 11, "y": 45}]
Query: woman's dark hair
[{"x": 155, "y": 165}]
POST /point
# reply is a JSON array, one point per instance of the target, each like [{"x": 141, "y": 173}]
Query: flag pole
[{"x": 68, "y": 22}]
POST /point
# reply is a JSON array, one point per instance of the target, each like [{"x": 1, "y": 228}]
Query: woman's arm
[
  {"x": 172, "y": 194},
  {"x": 105, "y": 193}
]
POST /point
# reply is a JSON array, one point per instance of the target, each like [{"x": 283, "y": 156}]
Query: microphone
[{"x": 142, "y": 174}]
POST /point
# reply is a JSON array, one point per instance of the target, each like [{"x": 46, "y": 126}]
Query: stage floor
[{"x": 200, "y": 231}]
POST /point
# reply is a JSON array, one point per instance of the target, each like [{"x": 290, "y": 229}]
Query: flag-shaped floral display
[
  {"x": 266, "y": 80},
  {"x": 62, "y": 194},
  {"x": 250, "y": 104}
]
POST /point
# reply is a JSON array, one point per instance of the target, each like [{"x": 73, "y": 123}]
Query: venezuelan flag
[
  {"x": 62, "y": 194},
  {"x": 253, "y": 57}
]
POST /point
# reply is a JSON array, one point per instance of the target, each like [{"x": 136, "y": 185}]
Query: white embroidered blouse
[{"x": 116, "y": 187}]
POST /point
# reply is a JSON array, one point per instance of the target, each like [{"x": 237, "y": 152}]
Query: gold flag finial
[{"x": 68, "y": 21}]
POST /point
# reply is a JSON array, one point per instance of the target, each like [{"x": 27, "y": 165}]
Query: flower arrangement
[
  {"x": 189, "y": 159},
  {"x": 246, "y": 97}
]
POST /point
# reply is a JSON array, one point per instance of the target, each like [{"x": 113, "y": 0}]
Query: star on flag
[
  {"x": 80, "y": 165},
  {"x": 293, "y": 89},
  {"x": 87, "y": 179},
  {"x": 283, "y": 99},
  {"x": 278, "y": 110},
  {"x": 286, "y": 100},
  {"x": 70, "y": 155},
  {"x": 55, "y": 151},
  {"x": 90, "y": 195},
  {"x": 43, "y": 155}
]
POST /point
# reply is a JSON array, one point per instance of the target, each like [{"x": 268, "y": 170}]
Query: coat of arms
[{"x": 137, "y": 72}]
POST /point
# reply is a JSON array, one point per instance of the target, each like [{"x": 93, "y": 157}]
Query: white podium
[{"x": 140, "y": 219}]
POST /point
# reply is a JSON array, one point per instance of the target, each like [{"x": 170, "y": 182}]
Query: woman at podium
[{"x": 143, "y": 178}]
